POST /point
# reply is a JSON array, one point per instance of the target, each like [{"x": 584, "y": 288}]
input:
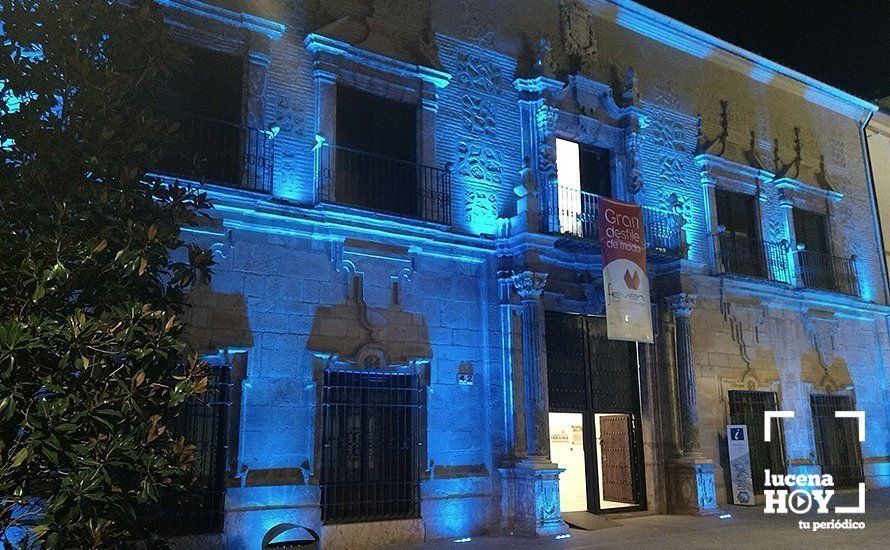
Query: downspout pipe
[{"x": 879, "y": 236}]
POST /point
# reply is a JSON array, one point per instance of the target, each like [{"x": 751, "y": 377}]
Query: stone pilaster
[
  {"x": 530, "y": 504},
  {"x": 681, "y": 305},
  {"x": 537, "y": 124},
  {"x": 786, "y": 203},
  {"x": 690, "y": 475},
  {"x": 530, "y": 287}
]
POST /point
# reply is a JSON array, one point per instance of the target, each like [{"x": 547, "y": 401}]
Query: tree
[{"x": 94, "y": 275}]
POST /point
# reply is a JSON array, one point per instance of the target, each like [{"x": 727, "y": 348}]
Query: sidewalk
[{"x": 748, "y": 528}]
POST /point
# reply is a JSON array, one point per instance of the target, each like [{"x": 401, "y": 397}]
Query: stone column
[
  {"x": 787, "y": 205},
  {"x": 530, "y": 494},
  {"x": 537, "y": 124},
  {"x": 256, "y": 155},
  {"x": 690, "y": 475},
  {"x": 325, "y": 80},
  {"x": 681, "y": 306},
  {"x": 530, "y": 287},
  {"x": 709, "y": 189}
]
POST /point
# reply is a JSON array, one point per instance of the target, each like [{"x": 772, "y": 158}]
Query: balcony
[
  {"x": 220, "y": 152},
  {"x": 358, "y": 179},
  {"x": 823, "y": 271},
  {"x": 567, "y": 211},
  {"x": 746, "y": 257}
]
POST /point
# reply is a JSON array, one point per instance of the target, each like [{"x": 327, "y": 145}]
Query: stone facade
[{"x": 301, "y": 287}]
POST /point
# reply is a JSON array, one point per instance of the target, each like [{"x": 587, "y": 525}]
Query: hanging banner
[
  {"x": 626, "y": 283},
  {"x": 740, "y": 464}
]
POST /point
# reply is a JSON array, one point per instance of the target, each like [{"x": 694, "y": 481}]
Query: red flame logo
[{"x": 632, "y": 281}]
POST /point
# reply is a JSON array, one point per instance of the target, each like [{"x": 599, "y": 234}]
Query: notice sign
[
  {"x": 740, "y": 464},
  {"x": 623, "y": 242}
]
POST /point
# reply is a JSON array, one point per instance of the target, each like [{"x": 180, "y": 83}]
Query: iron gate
[
  {"x": 370, "y": 446},
  {"x": 837, "y": 440},
  {"x": 748, "y": 407},
  {"x": 202, "y": 421}
]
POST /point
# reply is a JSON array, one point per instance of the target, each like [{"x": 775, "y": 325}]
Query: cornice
[
  {"x": 685, "y": 38},
  {"x": 317, "y": 44},
  {"x": 247, "y": 21}
]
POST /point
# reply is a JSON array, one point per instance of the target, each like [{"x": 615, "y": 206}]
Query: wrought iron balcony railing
[
  {"x": 355, "y": 178},
  {"x": 566, "y": 211},
  {"x": 741, "y": 255},
  {"x": 826, "y": 272},
  {"x": 216, "y": 151}
]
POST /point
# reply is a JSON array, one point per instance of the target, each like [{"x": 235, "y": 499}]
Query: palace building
[{"x": 406, "y": 319}]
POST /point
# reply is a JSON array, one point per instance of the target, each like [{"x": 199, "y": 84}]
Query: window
[
  {"x": 202, "y": 422},
  {"x": 376, "y": 125},
  {"x": 370, "y": 465},
  {"x": 583, "y": 173},
  {"x": 741, "y": 252},
  {"x": 375, "y": 161},
  {"x": 373, "y": 164},
  {"x": 583, "y": 167},
  {"x": 818, "y": 268},
  {"x": 811, "y": 230},
  {"x": 206, "y": 100},
  {"x": 837, "y": 440},
  {"x": 748, "y": 408}
]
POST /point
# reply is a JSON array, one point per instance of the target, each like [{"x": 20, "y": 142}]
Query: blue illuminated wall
[{"x": 285, "y": 275}]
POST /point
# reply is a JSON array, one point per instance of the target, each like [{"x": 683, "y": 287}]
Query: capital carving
[
  {"x": 681, "y": 304},
  {"x": 529, "y": 284}
]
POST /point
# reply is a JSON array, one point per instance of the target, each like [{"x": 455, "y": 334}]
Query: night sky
[{"x": 845, "y": 43}]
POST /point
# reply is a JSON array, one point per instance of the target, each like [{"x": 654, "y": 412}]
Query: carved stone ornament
[
  {"x": 527, "y": 182},
  {"x": 372, "y": 356},
  {"x": 544, "y": 64},
  {"x": 576, "y": 29},
  {"x": 529, "y": 284},
  {"x": 635, "y": 170},
  {"x": 681, "y": 304}
]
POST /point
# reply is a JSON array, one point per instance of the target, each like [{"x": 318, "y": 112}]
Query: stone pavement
[{"x": 748, "y": 528}]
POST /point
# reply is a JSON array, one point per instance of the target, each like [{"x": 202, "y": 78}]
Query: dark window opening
[
  {"x": 206, "y": 100},
  {"x": 818, "y": 267},
  {"x": 748, "y": 408},
  {"x": 376, "y": 153},
  {"x": 811, "y": 230},
  {"x": 741, "y": 252},
  {"x": 596, "y": 175},
  {"x": 370, "y": 446}
]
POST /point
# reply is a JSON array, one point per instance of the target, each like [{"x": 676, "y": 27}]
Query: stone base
[
  {"x": 690, "y": 482},
  {"x": 376, "y": 534},
  {"x": 530, "y": 496}
]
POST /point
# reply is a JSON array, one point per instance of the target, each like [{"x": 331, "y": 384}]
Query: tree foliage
[{"x": 93, "y": 275}]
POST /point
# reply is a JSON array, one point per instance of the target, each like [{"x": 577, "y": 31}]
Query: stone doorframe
[
  {"x": 648, "y": 368},
  {"x": 322, "y": 361}
]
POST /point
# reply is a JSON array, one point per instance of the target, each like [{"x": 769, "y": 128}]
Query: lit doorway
[
  {"x": 595, "y": 431},
  {"x": 567, "y": 450}
]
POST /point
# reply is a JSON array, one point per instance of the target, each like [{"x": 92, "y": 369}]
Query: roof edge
[{"x": 674, "y": 33}]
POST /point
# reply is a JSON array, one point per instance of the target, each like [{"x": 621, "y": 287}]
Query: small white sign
[{"x": 740, "y": 464}]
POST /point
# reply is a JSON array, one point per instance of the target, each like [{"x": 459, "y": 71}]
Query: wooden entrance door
[{"x": 615, "y": 454}]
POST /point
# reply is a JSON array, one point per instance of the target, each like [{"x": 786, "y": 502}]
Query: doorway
[{"x": 594, "y": 416}]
